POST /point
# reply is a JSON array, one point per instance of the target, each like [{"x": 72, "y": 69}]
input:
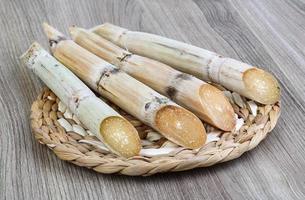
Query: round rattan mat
[{"x": 55, "y": 126}]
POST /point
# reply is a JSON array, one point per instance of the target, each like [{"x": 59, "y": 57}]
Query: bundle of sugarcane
[
  {"x": 111, "y": 128},
  {"x": 206, "y": 101},
  {"x": 174, "y": 122},
  {"x": 237, "y": 76}
]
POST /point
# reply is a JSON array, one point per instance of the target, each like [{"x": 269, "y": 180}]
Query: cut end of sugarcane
[
  {"x": 217, "y": 110},
  {"x": 109, "y": 31},
  {"x": 181, "y": 126},
  {"x": 74, "y": 30},
  {"x": 32, "y": 50},
  {"x": 53, "y": 35},
  {"x": 120, "y": 136},
  {"x": 103, "y": 26},
  {"x": 262, "y": 86}
]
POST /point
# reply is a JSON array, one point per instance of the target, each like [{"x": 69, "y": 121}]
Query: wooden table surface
[{"x": 266, "y": 33}]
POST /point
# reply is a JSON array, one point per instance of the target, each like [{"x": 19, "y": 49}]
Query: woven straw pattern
[{"x": 54, "y": 126}]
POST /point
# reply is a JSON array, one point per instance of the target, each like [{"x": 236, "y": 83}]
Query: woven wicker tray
[{"x": 56, "y": 127}]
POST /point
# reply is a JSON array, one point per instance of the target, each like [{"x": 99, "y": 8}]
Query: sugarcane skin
[
  {"x": 133, "y": 64},
  {"x": 116, "y": 132},
  {"x": 155, "y": 101},
  {"x": 265, "y": 94}
]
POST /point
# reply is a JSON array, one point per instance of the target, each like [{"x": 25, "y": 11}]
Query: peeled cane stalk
[
  {"x": 204, "y": 100},
  {"x": 237, "y": 76},
  {"x": 111, "y": 128},
  {"x": 157, "y": 111}
]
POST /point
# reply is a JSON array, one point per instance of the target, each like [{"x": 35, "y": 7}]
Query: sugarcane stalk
[
  {"x": 206, "y": 101},
  {"x": 107, "y": 125},
  {"x": 172, "y": 121},
  {"x": 237, "y": 76}
]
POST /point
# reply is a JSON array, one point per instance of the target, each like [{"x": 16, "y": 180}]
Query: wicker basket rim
[{"x": 69, "y": 146}]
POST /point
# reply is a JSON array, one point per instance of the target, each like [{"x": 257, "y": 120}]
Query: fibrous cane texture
[
  {"x": 92, "y": 111},
  {"x": 237, "y": 76},
  {"x": 205, "y": 100},
  {"x": 174, "y": 122}
]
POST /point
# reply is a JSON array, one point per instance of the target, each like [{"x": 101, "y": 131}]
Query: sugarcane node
[
  {"x": 108, "y": 71},
  {"x": 184, "y": 76},
  {"x": 56, "y": 40},
  {"x": 161, "y": 100},
  {"x": 125, "y": 57},
  {"x": 147, "y": 105},
  {"x": 171, "y": 92},
  {"x": 76, "y": 100}
]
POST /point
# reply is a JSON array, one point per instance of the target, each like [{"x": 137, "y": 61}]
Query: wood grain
[{"x": 269, "y": 34}]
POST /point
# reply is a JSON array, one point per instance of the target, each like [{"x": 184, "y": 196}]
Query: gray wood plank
[{"x": 264, "y": 33}]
